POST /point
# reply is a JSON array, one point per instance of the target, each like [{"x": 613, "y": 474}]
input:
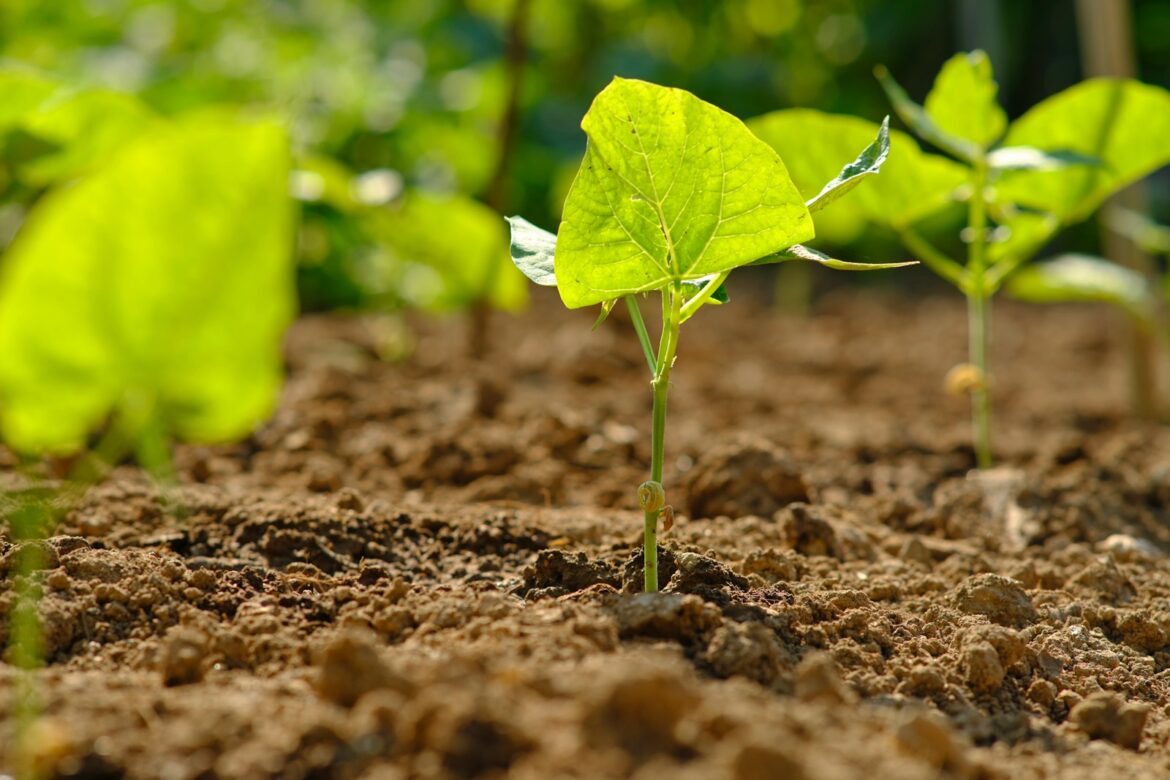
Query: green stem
[
  {"x": 703, "y": 295},
  {"x": 934, "y": 259},
  {"x": 978, "y": 304},
  {"x": 667, "y": 348},
  {"x": 640, "y": 328}
]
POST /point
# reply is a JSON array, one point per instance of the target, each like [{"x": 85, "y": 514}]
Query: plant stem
[
  {"x": 978, "y": 304},
  {"x": 667, "y": 347},
  {"x": 640, "y": 328}
]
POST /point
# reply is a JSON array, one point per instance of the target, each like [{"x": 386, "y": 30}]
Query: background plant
[
  {"x": 672, "y": 196},
  {"x": 1020, "y": 184}
]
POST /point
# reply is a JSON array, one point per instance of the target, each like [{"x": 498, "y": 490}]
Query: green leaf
[
  {"x": 1019, "y": 236},
  {"x": 800, "y": 252},
  {"x": 1140, "y": 229},
  {"x": 718, "y": 297},
  {"x": 912, "y": 185},
  {"x": 447, "y": 253},
  {"x": 1075, "y": 277},
  {"x": 1123, "y": 123},
  {"x": 867, "y": 163},
  {"x": 533, "y": 251},
  {"x": 922, "y": 123},
  {"x": 89, "y": 126},
  {"x": 671, "y": 188},
  {"x": 23, "y": 91},
  {"x": 603, "y": 315},
  {"x": 963, "y": 102},
  {"x": 158, "y": 287},
  {"x": 1029, "y": 158}
]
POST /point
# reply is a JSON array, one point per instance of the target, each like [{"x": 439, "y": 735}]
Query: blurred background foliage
[{"x": 388, "y": 97}]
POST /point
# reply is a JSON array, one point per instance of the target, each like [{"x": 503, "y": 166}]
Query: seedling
[
  {"x": 1021, "y": 183},
  {"x": 672, "y": 196}
]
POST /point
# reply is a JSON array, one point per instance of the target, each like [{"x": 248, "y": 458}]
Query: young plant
[
  {"x": 1020, "y": 182},
  {"x": 673, "y": 195}
]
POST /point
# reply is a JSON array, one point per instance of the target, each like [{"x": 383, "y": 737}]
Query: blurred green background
[{"x": 408, "y": 95}]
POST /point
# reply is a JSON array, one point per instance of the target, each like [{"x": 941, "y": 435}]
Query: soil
[{"x": 430, "y": 569}]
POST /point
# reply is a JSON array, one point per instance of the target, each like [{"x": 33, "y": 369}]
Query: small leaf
[
  {"x": 1123, "y": 123},
  {"x": 671, "y": 188},
  {"x": 921, "y": 123},
  {"x": 533, "y": 250},
  {"x": 1140, "y": 229},
  {"x": 963, "y": 101},
  {"x": 800, "y": 252},
  {"x": 1076, "y": 277},
  {"x": 719, "y": 296},
  {"x": 867, "y": 163},
  {"x": 912, "y": 185},
  {"x": 606, "y": 308},
  {"x": 1029, "y": 158}
]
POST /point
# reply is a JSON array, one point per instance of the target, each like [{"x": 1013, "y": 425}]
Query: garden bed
[{"x": 430, "y": 569}]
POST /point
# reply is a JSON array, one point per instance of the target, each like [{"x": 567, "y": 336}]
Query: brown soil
[{"x": 430, "y": 569}]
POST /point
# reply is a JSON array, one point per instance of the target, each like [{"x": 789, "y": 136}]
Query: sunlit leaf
[
  {"x": 158, "y": 287},
  {"x": 459, "y": 244},
  {"x": 533, "y": 251},
  {"x": 868, "y": 163},
  {"x": 1125, "y": 124},
  {"x": 963, "y": 102},
  {"x": 921, "y": 122},
  {"x": 671, "y": 188},
  {"x": 912, "y": 184},
  {"x": 88, "y": 126},
  {"x": 1082, "y": 278}
]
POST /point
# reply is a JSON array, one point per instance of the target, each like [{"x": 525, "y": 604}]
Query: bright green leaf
[
  {"x": 964, "y": 100},
  {"x": 1029, "y": 158},
  {"x": 671, "y": 188},
  {"x": 922, "y": 124},
  {"x": 800, "y": 252},
  {"x": 447, "y": 253},
  {"x": 1082, "y": 278},
  {"x": 1123, "y": 123},
  {"x": 158, "y": 287},
  {"x": 912, "y": 185},
  {"x": 533, "y": 251},
  {"x": 21, "y": 92},
  {"x": 868, "y": 163},
  {"x": 88, "y": 126}
]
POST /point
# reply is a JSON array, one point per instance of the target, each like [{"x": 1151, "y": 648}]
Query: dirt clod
[
  {"x": 1105, "y": 715},
  {"x": 743, "y": 478},
  {"x": 1001, "y": 599}
]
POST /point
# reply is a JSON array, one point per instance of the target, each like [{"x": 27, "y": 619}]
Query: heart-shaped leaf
[
  {"x": 963, "y": 102},
  {"x": 1123, "y": 123},
  {"x": 671, "y": 188}
]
